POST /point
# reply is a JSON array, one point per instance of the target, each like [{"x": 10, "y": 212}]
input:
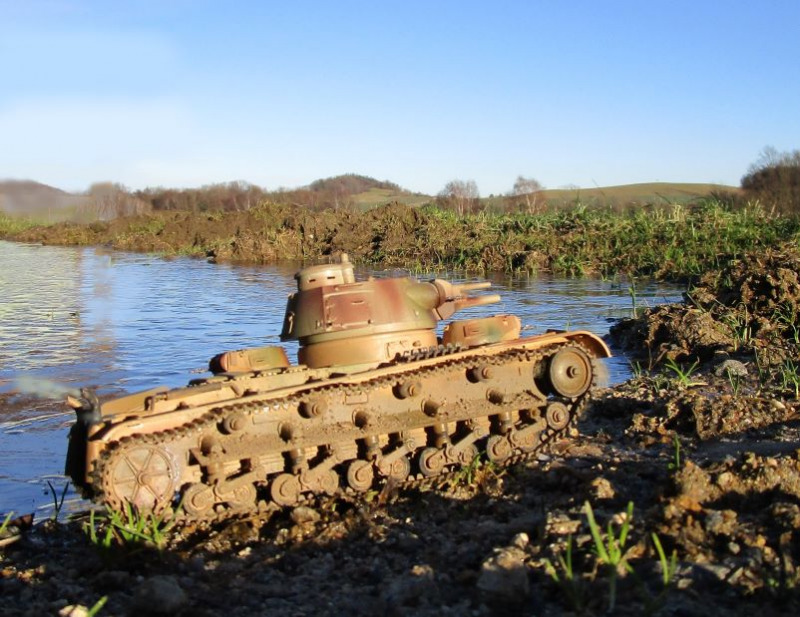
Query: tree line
[
  {"x": 336, "y": 192},
  {"x": 774, "y": 180}
]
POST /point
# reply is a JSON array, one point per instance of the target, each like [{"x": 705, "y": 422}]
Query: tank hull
[{"x": 239, "y": 441}]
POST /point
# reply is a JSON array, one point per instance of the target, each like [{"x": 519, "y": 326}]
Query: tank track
[{"x": 249, "y": 494}]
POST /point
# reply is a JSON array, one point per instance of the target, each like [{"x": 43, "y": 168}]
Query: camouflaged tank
[{"x": 376, "y": 396}]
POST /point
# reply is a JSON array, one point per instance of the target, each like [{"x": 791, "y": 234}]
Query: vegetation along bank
[{"x": 670, "y": 241}]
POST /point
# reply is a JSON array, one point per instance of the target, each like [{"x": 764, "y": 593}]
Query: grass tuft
[{"x": 129, "y": 528}]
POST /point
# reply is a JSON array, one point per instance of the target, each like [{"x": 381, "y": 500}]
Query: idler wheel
[
  {"x": 360, "y": 475},
  {"x": 557, "y": 415},
  {"x": 198, "y": 499},
  {"x": 498, "y": 449},
  {"x": 285, "y": 490},
  {"x": 143, "y": 475},
  {"x": 570, "y": 372},
  {"x": 431, "y": 462}
]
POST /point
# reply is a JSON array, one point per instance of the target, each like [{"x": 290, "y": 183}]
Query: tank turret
[{"x": 341, "y": 321}]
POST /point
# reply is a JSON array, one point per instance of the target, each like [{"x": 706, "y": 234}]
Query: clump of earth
[
  {"x": 691, "y": 470},
  {"x": 749, "y": 308}
]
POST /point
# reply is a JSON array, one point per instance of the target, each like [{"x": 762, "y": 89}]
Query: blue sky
[{"x": 184, "y": 93}]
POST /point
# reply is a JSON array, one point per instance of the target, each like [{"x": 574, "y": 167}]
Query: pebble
[
  {"x": 603, "y": 488},
  {"x": 504, "y": 577},
  {"x": 521, "y": 540},
  {"x": 409, "y": 589},
  {"x": 304, "y": 514},
  {"x": 74, "y": 610},
  {"x": 730, "y": 368},
  {"x": 160, "y": 595}
]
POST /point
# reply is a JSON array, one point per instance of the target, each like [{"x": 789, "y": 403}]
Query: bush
[{"x": 775, "y": 180}]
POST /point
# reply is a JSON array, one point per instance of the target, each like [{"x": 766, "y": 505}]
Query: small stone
[
  {"x": 718, "y": 571},
  {"x": 161, "y": 595},
  {"x": 115, "y": 579},
  {"x": 196, "y": 564},
  {"x": 715, "y": 522},
  {"x": 562, "y": 525},
  {"x": 521, "y": 540},
  {"x": 725, "y": 479},
  {"x": 409, "y": 589},
  {"x": 504, "y": 577},
  {"x": 602, "y": 488},
  {"x": 730, "y": 368},
  {"x": 304, "y": 514},
  {"x": 423, "y": 570}
]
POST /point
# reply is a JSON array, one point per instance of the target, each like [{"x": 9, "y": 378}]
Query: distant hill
[
  {"x": 363, "y": 192},
  {"x": 29, "y": 198},
  {"x": 352, "y": 184}
]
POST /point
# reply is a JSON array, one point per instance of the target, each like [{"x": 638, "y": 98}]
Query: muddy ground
[{"x": 704, "y": 443}]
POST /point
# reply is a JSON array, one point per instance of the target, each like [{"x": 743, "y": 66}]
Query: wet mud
[
  {"x": 691, "y": 469},
  {"x": 266, "y": 234}
]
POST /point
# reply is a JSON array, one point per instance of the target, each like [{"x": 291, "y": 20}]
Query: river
[{"x": 122, "y": 322}]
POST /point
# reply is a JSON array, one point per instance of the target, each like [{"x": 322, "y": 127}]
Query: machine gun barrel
[{"x": 454, "y": 297}]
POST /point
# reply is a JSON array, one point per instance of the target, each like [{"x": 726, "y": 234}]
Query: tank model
[{"x": 376, "y": 397}]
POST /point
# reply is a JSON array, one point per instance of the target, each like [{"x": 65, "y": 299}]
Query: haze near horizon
[{"x": 590, "y": 94}]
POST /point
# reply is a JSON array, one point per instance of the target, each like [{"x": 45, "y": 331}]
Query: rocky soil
[{"x": 691, "y": 470}]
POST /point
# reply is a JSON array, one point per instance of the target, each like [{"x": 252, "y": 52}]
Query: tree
[
  {"x": 462, "y": 196},
  {"x": 107, "y": 200},
  {"x": 530, "y": 190},
  {"x": 775, "y": 179}
]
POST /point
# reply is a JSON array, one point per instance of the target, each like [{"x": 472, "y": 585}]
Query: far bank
[{"x": 672, "y": 242}]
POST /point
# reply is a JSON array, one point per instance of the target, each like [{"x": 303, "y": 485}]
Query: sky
[{"x": 184, "y": 93}]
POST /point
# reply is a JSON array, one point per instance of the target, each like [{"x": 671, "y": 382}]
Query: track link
[{"x": 144, "y": 468}]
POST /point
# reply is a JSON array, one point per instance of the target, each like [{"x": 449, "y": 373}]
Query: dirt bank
[
  {"x": 704, "y": 443},
  {"x": 265, "y": 234}
]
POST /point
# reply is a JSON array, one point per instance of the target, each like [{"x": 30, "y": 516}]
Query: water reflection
[{"x": 124, "y": 322}]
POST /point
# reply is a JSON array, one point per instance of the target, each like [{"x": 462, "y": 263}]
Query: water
[{"x": 122, "y": 322}]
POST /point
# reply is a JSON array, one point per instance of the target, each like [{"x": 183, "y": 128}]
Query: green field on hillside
[
  {"x": 380, "y": 197},
  {"x": 645, "y": 193}
]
